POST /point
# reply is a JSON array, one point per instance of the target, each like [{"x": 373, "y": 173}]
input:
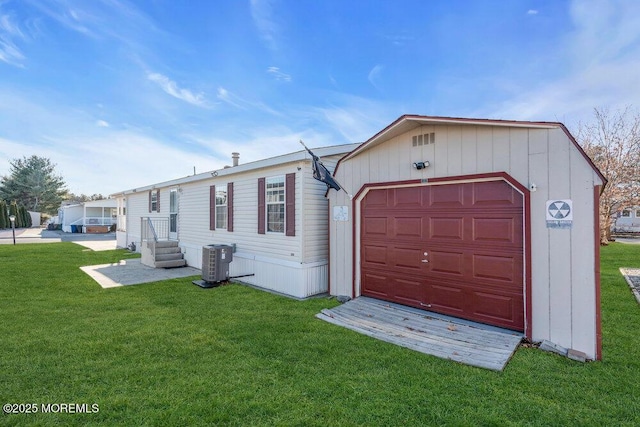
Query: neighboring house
[
  {"x": 92, "y": 216},
  {"x": 273, "y": 211},
  {"x": 628, "y": 220},
  {"x": 488, "y": 220}
]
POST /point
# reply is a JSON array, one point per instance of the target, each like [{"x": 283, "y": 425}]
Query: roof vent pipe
[{"x": 236, "y": 158}]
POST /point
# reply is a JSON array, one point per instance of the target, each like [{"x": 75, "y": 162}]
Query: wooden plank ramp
[{"x": 442, "y": 336}]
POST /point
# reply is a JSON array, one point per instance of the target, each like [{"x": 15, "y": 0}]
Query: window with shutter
[
  {"x": 275, "y": 202},
  {"x": 277, "y": 205},
  {"x": 221, "y": 209},
  {"x": 212, "y": 207},
  {"x": 154, "y": 201}
]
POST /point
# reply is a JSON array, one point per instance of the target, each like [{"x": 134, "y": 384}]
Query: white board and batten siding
[
  {"x": 293, "y": 265},
  {"x": 563, "y": 288}
]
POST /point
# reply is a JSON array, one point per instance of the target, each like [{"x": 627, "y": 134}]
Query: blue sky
[{"x": 121, "y": 94}]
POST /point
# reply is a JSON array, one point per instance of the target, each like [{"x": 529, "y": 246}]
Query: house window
[
  {"x": 626, "y": 213},
  {"x": 153, "y": 204},
  {"x": 221, "y": 209},
  {"x": 638, "y": 213},
  {"x": 275, "y": 204}
]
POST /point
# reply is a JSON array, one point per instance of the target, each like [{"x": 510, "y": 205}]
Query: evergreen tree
[
  {"x": 3, "y": 215},
  {"x": 34, "y": 184},
  {"x": 13, "y": 210},
  {"x": 25, "y": 218}
]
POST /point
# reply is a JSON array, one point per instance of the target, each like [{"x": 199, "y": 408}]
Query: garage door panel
[
  {"x": 503, "y": 268},
  {"x": 375, "y": 199},
  {"x": 446, "y": 228},
  {"x": 408, "y": 291},
  {"x": 495, "y": 193},
  {"x": 373, "y": 255},
  {"x": 375, "y": 285},
  {"x": 408, "y": 227},
  {"x": 407, "y": 198},
  {"x": 498, "y": 309},
  {"x": 450, "y": 263},
  {"x": 497, "y": 230},
  {"x": 448, "y": 299},
  {"x": 375, "y": 226},
  {"x": 446, "y": 196}
]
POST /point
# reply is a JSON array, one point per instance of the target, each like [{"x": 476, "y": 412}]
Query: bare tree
[{"x": 612, "y": 141}]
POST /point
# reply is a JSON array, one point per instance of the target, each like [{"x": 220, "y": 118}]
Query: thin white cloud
[
  {"x": 9, "y": 51},
  {"x": 243, "y": 104},
  {"x": 355, "y": 119},
  {"x": 400, "y": 39},
  {"x": 225, "y": 96},
  {"x": 374, "y": 75},
  {"x": 279, "y": 75},
  {"x": 171, "y": 87},
  {"x": 263, "y": 18},
  {"x": 9, "y": 27},
  {"x": 532, "y": 12},
  {"x": 102, "y": 124},
  {"x": 95, "y": 20},
  {"x": 603, "y": 56},
  {"x": 262, "y": 142}
]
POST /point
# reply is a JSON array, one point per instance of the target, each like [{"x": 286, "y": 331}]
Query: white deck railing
[
  {"x": 95, "y": 220},
  {"x": 154, "y": 228}
]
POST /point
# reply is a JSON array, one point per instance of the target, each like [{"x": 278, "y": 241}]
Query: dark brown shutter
[
  {"x": 290, "y": 204},
  {"x": 262, "y": 188},
  {"x": 230, "y": 206},
  {"x": 149, "y": 201},
  {"x": 157, "y": 200},
  {"x": 212, "y": 207}
]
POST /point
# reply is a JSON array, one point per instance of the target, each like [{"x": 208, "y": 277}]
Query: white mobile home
[
  {"x": 488, "y": 220},
  {"x": 627, "y": 220},
  {"x": 272, "y": 211},
  {"x": 96, "y": 215}
]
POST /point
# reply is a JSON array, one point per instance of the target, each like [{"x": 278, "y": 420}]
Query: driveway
[{"x": 96, "y": 242}]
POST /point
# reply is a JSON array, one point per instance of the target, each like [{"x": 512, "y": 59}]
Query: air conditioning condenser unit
[{"x": 215, "y": 265}]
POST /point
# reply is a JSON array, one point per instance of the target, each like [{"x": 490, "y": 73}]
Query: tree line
[{"x": 22, "y": 216}]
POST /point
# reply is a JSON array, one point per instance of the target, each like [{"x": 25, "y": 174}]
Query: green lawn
[{"x": 170, "y": 353}]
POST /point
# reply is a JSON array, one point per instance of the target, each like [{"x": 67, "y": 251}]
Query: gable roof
[
  {"x": 408, "y": 122},
  {"x": 245, "y": 167}
]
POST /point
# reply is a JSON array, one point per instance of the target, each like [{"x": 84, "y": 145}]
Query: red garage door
[{"x": 455, "y": 249}]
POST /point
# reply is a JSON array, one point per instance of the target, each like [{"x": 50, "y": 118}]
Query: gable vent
[{"x": 424, "y": 139}]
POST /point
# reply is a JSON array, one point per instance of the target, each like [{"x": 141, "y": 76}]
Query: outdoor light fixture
[
  {"x": 12, "y": 218},
  {"x": 421, "y": 165}
]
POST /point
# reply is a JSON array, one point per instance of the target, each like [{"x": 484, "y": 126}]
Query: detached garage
[{"x": 487, "y": 220}]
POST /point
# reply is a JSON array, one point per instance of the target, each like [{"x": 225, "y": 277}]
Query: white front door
[{"x": 173, "y": 214}]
